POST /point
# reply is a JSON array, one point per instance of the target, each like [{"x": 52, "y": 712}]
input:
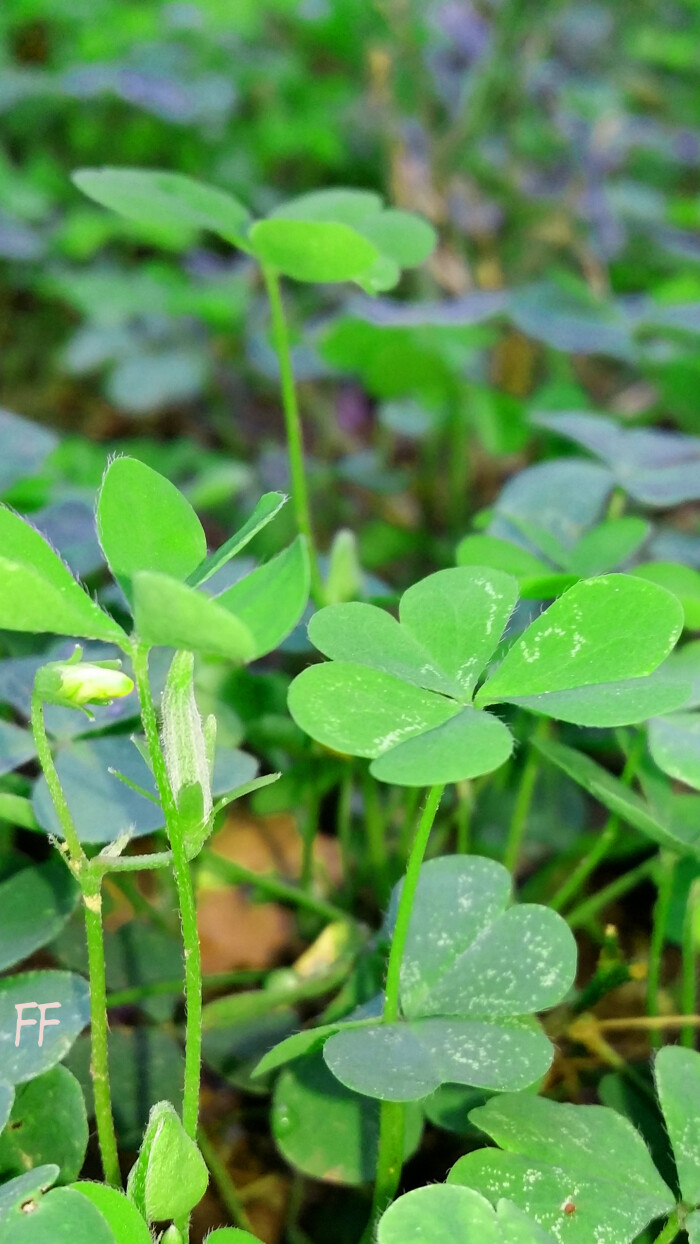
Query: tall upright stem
[
  {"x": 392, "y": 1114},
  {"x": 185, "y": 893},
  {"x": 99, "y": 1050},
  {"x": 689, "y": 963},
  {"x": 292, "y": 423},
  {"x": 90, "y": 881},
  {"x": 408, "y": 894},
  {"x": 658, "y": 937}
]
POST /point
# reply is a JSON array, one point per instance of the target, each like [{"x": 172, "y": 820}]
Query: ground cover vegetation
[{"x": 349, "y": 622}]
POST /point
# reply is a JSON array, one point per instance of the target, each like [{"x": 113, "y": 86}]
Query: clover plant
[{"x": 462, "y": 1006}]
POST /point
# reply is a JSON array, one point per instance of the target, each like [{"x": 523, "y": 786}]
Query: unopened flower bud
[
  {"x": 188, "y": 748},
  {"x": 75, "y": 683}
]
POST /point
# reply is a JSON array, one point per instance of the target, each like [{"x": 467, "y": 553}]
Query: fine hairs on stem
[
  {"x": 89, "y": 878},
  {"x": 186, "y": 900},
  {"x": 392, "y": 1114}
]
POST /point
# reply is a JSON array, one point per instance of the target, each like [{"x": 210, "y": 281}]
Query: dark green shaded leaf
[
  {"x": 48, "y": 1122},
  {"x": 34, "y": 905}
]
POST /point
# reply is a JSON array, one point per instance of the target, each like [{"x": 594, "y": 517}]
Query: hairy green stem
[
  {"x": 99, "y": 1052},
  {"x": 186, "y": 898},
  {"x": 590, "y": 908},
  {"x": 662, "y": 907},
  {"x": 689, "y": 963},
  {"x": 392, "y": 1127},
  {"x": 392, "y": 1114},
  {"x": 89, "y": 879},
  {"x": 292, "y": 423},
  {"x": 605, "y": 840}
]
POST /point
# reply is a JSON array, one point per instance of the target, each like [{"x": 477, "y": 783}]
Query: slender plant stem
[
  {"x": 74, "y": 846},
  {"x": 408, "y": 894},
  {"x": 523, "y": 800},
  {"x": 603, "y": 843},
  {"x": 392, "y": 1114},
  {"x": 590, "y": 908},
  {"x": 89, "y": 879},
  {"x": 279, "y": 891},
  {"x": 689, "y": 963},
  {"x": 186, "y": 899},
  {"x": 392, "y": 1127},
  {"x": 99, "y": 1052},
  {"x": 463, "y": 815},
  {"x": 292, "y": 423},
  {"x": 658, "y": 937},
  {"x": 669, "y": 1232},
  {"x": 224, "y": 1184},
  {"x": 646, "y": 1023},
  {"x": 375, "y": 830}
]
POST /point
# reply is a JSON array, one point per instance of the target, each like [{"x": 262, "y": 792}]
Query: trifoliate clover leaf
[
  {"x": 402, "y": 692},
  {"x": 474, "y": 972},
  {"x": 553, "y": 1156}
]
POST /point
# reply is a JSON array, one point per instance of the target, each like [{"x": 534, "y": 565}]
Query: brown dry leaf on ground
[{"x": 236, "y": 932}]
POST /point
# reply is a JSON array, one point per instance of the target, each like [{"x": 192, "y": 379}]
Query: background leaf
[
  {"x": 156, "y": 198},
  {"x": 34, "y": 905},
  {"x": 48, "y": 1122},
  {"x": 28, "y": 1059},
  {"x": 325, "y": 1130}
]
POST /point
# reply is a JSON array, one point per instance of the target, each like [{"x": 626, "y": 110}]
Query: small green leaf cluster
[{"x": 325, "y": 236}]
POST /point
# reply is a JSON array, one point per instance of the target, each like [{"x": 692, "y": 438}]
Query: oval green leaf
[
  {"x": 361, "y": 711},
  {"x": 325, "y": 1130},
  {"x": 468, "y": 745},
  {"x": 155, "y": 198},
  {"x": 271, "y": 599},
  {"x": 48, "y": 1121},
  {"x": 584, "y": 639},
  {"x": 34, "y": 906},
  {"x": 445, "y": 1213},
  {"x": 28, "y": 1059},
  {"x": 125, "y": 1222},
  {"x": 145, "y": 523},
  {"x": 174, "y": 615},
  {"x": 39, "y": 593}
]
